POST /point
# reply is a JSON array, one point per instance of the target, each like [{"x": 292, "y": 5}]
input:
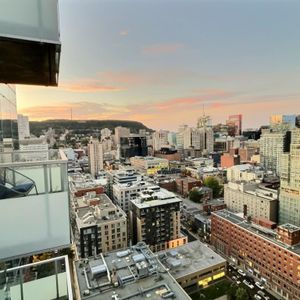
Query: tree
[
  {"x": 195, "y": 195},
  {"x": 241, "y": 294},
  {"x": 213, "y": 183}
]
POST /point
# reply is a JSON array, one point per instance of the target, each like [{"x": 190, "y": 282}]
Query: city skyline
[{"x": 147, "y": 61}]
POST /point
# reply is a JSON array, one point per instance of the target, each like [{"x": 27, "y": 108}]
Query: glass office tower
[{"x": 8, "y": 118}]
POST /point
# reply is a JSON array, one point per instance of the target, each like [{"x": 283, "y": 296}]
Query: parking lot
[{"x": 249, "y": 284}]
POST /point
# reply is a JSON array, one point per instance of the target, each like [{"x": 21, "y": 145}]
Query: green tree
[
  {"x": 195, "y": 195},
  {"x": 213, "y": 183},
  {"x": 241, "y": 294}
]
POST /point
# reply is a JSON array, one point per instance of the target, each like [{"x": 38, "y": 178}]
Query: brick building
[
  {"x": 185, "y": 184},
  {"x": 273, "y": 256},
  {"x": 228, "y": 160}
]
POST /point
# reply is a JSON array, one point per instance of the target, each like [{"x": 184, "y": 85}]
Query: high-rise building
[
  {"x": 289, "y": 120},
  {"x": 23, "y": 127},
  {"x": 289, "y": 197},
  {"x": 272, "y": 145},
  {"x": 133, "y": 145},
  {"x": 272, "y": 256},
  {"x": 8, "y": 118},
  {"x": 155, "y": 219},
  {"x": 236, "y": 122},
  {"x": 95, "y": 152},
  {"x": 159, "y": 139},
  {"x": 121, "y": 132}
]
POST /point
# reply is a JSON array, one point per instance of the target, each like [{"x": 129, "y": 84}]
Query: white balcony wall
[
  {"x": 30, "y": 20},
  {"x": 34, "y": 223}
]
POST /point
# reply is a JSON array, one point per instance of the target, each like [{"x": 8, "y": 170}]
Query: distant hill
[{"x": 84, "y": 127}]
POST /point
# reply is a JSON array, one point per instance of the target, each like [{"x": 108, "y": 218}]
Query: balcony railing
[
  {"x": 34, "y": 203},
  {"x": 47, "y": 280}
]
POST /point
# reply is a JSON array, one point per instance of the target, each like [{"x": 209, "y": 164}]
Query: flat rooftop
[
  {"x": 267, "y": 234},
  {"x": 134, "y": 273},
  {"x": 155, "y": 196},
  {"x": 96, "y": 210},
  {"x": 194, "y": 257},
  {"x": 80, "y": 181}
]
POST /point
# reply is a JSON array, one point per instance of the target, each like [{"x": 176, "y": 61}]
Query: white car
[
  {"x": 259, "y": 285},
  {"x": 248, "y": 284},
  {"x": 257, "y": 297},
  {"x": 238, "y": 282},
  {"x": 241, "y": 272}
]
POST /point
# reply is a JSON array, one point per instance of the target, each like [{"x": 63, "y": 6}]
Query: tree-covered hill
[{"x": 84, "y": 127}]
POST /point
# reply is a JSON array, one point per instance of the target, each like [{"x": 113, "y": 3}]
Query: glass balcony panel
[
  {"x": 49, "y": 279},
  {"x": 39, "y": 219}
]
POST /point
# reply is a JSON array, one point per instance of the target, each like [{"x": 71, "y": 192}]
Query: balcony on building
[
  {"x": 34, "y": 203},
  {"x": 48, "y": 279},
  {"x": 29, "y": 42}
]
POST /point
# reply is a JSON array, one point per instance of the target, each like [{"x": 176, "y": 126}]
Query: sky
[{"x": 161, "y": 62}]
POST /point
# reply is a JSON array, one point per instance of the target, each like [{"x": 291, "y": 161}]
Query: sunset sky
[{"x": 160, "y": 61}]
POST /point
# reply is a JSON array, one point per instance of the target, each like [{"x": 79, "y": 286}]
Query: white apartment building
[
  {"x": 95, "y": 155},
  {"x": 123, "y": 193},
  {"x": 252, "y": 199},
  {"x": 159, "y": 139},
  {"x": 105, "y": 133}
]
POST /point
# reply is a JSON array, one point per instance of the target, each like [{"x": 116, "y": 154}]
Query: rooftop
[
  {"x": 268, "y": 234},
  {"x": 92, "y": 210},
  {"x": 80, "y": 181},
  {"x": 134, "y": 273},
  {"x": 190, "y": 258},
  {"x": 155, "y": 196}
]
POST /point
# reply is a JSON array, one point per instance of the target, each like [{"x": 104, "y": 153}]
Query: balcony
[
  {"x": 34, "y": 203},
  {"x": 48, "y": 279},
  {"x": 29, "y": 42}
]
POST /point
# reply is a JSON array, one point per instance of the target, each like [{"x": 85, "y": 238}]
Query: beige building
[
  {"x": 245, "y": 172},
  {"x": 121, "y": 132},
  {"x": 193, "y": 265},
  {"x": 149, "y": 164},
  {"x": 289, "y": 197},
  {"x": 100, "y": 226},
  {"x": 95, "y": 152},
  {"x": 252, "y": 199},
  {"x": 272, "y": 146}
]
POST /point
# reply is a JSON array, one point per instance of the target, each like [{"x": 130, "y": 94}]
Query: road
[{"x": 235, "y": 276}]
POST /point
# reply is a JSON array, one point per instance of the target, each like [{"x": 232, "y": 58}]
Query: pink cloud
[
  {"x": 124, "y": 32},
  {"x": 162, "y": 48},
  {"x": 88, "y": 85}
]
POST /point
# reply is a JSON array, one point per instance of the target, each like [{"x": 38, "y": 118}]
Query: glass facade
[{"x": 8, "y": 118}]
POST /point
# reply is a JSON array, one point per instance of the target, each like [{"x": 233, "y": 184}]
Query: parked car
[
  {"x": 238, "y": 282},
  {"x": 241, "y": 272},
  {"x": 248, "y": 284},
  {"x": 257, "y": 297},
  {"x": 259, "y": 285},
  {"x": 261, "y": 293}
]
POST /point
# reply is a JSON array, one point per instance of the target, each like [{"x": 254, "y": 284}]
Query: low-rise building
[
  {"x": 149, "y": 165},
  {"x": 80, "y": 184},
  {"x": 134, "y": 273},
  {"x": 100, "y": 225},
  {"x": 252, "y": 199},
  {"x": 194, "y": 265},
  {"x": 272, "y": 256},
  {"x": 185, "y": 184}
]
